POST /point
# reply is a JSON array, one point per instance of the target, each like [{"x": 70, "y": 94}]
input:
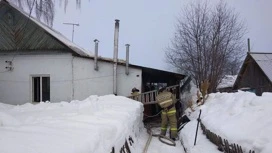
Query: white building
[{"x": 38, "y": 64}]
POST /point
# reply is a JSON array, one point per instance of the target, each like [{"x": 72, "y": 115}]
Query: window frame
[{"x": 41, "y": 86}]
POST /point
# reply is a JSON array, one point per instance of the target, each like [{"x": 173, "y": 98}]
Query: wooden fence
[
  {"x": 222, "y": 144},
  {"x": 125, "y": 148}
]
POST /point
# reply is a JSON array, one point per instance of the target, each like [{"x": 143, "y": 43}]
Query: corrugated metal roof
[
  {"x": 264, "y": 60},
  {"x": 54, "y": 33}
]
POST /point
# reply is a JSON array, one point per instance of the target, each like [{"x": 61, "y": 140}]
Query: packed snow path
[{"x": 156, "y": 146}]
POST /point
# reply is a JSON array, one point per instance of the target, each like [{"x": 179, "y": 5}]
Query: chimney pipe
[
  {"x": 96, "y": 54},
  {"x": 127, "y": 58},
  {"x": 115, "y": 56},
  {"x": 248, "y": 45}
]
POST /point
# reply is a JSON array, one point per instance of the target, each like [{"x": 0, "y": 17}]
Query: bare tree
[
  {"x": 44, "y": 9},
  {"x": 207, "y": 42}
]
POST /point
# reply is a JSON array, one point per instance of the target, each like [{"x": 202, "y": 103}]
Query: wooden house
[{"x": 255, "y": 74}]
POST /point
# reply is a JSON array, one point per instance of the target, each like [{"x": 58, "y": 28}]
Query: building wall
[
  {"x": 88, "y": 81},
  {"x": 16, "y": 86},
  {"x": 255, "y": 79},
  {"x": 66, "y": 72},
  {"x": 126, "y": 82}
]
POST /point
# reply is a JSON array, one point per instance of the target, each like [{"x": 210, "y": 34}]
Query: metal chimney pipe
[
  {"x": 127, "y": 58},
  {"x": 115, "y": 56},
  {"x": 248, "y": 45},
  {"x": 96, "y": 54}
]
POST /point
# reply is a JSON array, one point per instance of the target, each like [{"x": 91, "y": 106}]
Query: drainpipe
[
  {"x": 96, "y": 54},
  {"x": 127, "y": 58},
  {"x": 115, "y": 56},
  {"x": 73, "y": 78}
]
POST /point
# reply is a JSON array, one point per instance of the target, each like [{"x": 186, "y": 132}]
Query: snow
[
  {"x": 157, "y": 146},
  {"x": 227, "y": 81},
  {"x": 96, "y": 124},
  {"x": 93, "y": 125},
  {"x": 203, "y": 145},
  {"x": 242, "y": 118}
]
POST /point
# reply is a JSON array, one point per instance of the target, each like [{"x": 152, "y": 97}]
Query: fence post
[
  {"x": 112, "y": 151},
  {"x": 197, "y": 126},
  {"x": 127, "y": 147}
]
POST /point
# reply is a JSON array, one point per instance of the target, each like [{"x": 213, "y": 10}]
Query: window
[{"x": 40, "y": 88}]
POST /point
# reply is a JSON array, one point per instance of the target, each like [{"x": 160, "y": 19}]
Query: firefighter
[
  {"x": 167, "y": 101},
  {"x": 135, "y": 93}
]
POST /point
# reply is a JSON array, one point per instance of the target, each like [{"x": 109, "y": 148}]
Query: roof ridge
[{"x": 260, "y": 52}]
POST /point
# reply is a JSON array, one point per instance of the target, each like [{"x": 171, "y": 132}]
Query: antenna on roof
[
  {"x": 73, "y": 24},
  {"x": 248, "y": 45}
]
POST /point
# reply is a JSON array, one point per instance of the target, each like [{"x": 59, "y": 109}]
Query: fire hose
[{"x": 162, "y": 138}]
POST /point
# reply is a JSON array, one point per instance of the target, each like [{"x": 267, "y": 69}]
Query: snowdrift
[
  {"x": 242, "y": 118},
  {"x": 93, "y": 125}
]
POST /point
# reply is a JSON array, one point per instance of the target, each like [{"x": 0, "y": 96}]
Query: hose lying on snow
[
  {"x": 162, "y": 138},
  {"x": 182, "y": 122}
]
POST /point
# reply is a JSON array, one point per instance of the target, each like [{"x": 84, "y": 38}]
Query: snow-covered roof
[
  {"x": 264, "y": 60},
  {"x": 227, "y": 81},
  {"x": 78, "y": 50}
]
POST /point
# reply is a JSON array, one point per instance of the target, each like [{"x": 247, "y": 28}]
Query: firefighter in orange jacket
[{"x": 167, "y": 101}]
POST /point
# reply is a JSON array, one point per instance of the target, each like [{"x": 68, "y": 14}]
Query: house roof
[
  {"x": 264, "y": 60},
  {"x": 58, "y": 36},
  {"x": 227, "y": 81}
]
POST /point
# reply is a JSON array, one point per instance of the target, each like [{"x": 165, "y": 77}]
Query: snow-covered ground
[
  {"x": 97, "y": 124},
  {"x": 242, "y": 118}
]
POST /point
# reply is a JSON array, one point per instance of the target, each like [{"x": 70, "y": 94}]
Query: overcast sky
[{"x": 148, "y": 26}]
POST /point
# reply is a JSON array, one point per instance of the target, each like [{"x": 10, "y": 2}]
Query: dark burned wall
[{"x": 253, "y": 77}]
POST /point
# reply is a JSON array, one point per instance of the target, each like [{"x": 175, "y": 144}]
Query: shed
[
  {"x": 226, "y": 83},
  {"x": 256, "y": 73}
]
